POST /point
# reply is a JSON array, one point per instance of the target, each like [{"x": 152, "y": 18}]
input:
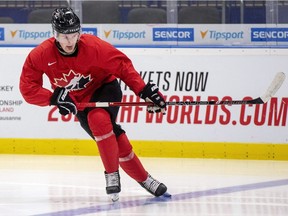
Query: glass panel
[
  {"x": 221, "y": 11},
  {"x": 224, "y": 22}
]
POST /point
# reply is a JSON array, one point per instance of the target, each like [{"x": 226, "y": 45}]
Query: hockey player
[{"x": 84, "y": 68}]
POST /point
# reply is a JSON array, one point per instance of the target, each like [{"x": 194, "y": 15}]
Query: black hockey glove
[
  {"x": 63, "y": 101},
  {"x": 150, "y": 93}
]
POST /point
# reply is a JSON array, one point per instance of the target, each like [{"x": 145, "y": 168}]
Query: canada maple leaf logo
[{"x": 73, "y": 81}]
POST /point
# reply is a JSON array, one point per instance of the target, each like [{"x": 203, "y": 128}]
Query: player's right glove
[
  {"x": 63, "y": 101},
  {"x": 150, "y": 93}
]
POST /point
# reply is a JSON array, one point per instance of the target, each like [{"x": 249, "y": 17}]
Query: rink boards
[{"x": 239, "y": 131}]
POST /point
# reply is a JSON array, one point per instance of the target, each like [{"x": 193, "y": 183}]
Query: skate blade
[
  {"x": 114, "y": 197},
  {"x": 167, "y": 195}
]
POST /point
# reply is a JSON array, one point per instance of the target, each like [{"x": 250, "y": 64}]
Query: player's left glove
[
  {"x": 63, "y": 101},
  {"x": 151, "y": 93}
]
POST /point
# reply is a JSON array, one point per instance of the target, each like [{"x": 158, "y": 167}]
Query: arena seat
[
  {"x": 100, "y": 12},
  {"x": 199, "y": 15},
  {"x": 6, "y": 20},
  {"x": 282, "y": 14},
  {"x": 147, "y": 15},
  {"x": 40, "y": 15}
]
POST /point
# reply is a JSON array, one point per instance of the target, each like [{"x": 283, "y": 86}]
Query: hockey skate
[
  {"x": 113, "y": 186},
  {"x": 153, "y": 186}
]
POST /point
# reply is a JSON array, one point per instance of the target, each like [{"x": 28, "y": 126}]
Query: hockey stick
[{"x": 270, "y": 92}]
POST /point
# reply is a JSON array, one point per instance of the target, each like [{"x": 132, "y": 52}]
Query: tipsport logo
[
  {"x": 92, "y": 31},
  {"x": 26, "y": 35},
  {"x": 269, "y": 34},
  {"x": 216, "y": 35},
  {"x": 119, "y": 35},
  {"x": 173, "y": 34},
  {"x": 2, "y": 34}
]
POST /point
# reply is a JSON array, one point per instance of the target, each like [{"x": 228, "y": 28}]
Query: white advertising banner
[
  {"x": 149, "y": 35},
  {"x": 181, "y": 74}
]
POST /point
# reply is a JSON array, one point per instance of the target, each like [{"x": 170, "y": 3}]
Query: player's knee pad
[{"x": 100, "y": 123}]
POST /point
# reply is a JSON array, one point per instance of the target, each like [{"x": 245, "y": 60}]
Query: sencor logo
[
  {"x": 2, "y": 34},
  {"x": 269, "y": 34},
  {"x": 92, "y": 31},
  {"x": 173, "y": 34}
]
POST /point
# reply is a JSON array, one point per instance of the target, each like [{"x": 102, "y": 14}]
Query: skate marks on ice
[{"x": 167, "y": 198}]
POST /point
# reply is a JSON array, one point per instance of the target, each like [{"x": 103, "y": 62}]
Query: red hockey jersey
[{"x": 96, "y": 63}]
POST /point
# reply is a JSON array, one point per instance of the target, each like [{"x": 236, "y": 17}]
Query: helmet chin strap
[{"x": 61, "y": 50}]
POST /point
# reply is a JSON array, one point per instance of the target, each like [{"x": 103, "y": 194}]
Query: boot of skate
[
  {"x": 113, "y": 186},
  {"x": 153, "y": 186}
]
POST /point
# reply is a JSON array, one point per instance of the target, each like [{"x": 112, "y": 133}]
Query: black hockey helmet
[{"x": 65, "y": 21}]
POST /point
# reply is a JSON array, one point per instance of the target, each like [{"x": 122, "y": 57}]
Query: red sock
[
  {"x": 108, "y": 150},
  {"x": 101, "y": 127},
  {"x": 129, "y": 161}
]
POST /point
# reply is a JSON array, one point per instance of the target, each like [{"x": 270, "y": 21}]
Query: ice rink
[{"x": 75, "y": 185}]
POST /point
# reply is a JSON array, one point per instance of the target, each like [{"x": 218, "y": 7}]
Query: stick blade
[{"x": 274, "y": 86}]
